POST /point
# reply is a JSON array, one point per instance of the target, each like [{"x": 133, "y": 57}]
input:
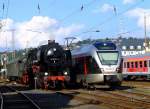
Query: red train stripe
[{"x": 53, "y": 78}]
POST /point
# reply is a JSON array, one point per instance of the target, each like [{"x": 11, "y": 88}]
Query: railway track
[
  {"x": 112, "y": 100},
  {"x": 137, "y": 84},
  {"x": 13, "y": 99}
]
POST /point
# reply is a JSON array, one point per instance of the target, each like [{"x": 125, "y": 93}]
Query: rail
[
  {"x": 2, "y": 100},
  {"x": 108, "y": 98},
  {"x": 22, "y": 94}
]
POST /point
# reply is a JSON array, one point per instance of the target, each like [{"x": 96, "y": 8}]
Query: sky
[{"x": 30, "y": 23}]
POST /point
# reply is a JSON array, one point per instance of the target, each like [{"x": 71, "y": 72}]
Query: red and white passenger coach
[{"x": 137, "y": 66}]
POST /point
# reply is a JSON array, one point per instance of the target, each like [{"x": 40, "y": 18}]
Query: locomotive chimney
[{"x": 51, "y": 41}]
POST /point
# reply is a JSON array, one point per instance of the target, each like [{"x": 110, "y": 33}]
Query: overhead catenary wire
[
  {"x": 5, "y": 8},
  {"x": 126, "y": 32},
  {"x": 39, "y": 5},
  {"x": 80, "y": 9},
  {"x": 112, "y": 17}
]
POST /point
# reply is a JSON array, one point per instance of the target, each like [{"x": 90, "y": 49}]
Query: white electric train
[{"x": 98, "y": 63}]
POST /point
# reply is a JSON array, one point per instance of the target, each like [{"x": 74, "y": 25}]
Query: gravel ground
[{"x": 53, "y": 100}]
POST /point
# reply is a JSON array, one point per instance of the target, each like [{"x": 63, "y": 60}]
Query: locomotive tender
[
  {"x": 98, "y": 63},
  {"x": 48, "y": 65}
]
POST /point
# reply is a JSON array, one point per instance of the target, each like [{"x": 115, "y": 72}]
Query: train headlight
[
  {"x": 102, "y": 69},
  {"x": 54, "y": 49},
  {"x": 65, "y": 73},
  {"x": 117, "y": 69},
  {"x": 50, "y": 52},
  {"x": 46, "y": 74}
]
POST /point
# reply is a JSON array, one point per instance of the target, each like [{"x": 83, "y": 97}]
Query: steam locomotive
[{"x": 48, "y": 66}]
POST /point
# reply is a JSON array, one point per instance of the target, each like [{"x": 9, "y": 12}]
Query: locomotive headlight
[
  {"x": 50, "y": 52},
  {"x": 45, "y": 73},
  {"x": 102, "y": 69},
  {"x": 117, "y": 69},
  {"x": 54, "y": 49},
  {"x": 65, "y": 73}
]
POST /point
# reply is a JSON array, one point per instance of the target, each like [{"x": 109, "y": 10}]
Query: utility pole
[
  {"x": 145, "y": 31},
  {"x": 13, "y": 41}
]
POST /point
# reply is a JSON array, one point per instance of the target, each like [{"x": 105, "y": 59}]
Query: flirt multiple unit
[{"x": 98, "y": 63}]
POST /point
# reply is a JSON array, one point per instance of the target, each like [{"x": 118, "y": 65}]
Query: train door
[
  {"x": 124, "y": 65},
  {"x": 92, "y": 66},
  {"x": 148, "y": 66},
  {"x": 78, "y": 69},
  {"x": 145, "y": 69},
  {"x": 92, "y": 70},
  {"x": 85, "y": 67}
]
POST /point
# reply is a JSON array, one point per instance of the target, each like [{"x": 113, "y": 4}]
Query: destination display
[{"x": 105, "y": 46}]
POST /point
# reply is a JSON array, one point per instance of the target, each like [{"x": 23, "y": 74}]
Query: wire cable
[
  {"x": 82, "y": 7},
  {"x": 112, "y": 17}
]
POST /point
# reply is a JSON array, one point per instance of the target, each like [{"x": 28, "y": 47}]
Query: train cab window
[
  {"x": 128, "y": 65},
  {"x": 136, "y": 64},
  {"x": 132, "y": 65},
  {"x": 145, "y": 63},
  {"x": 141, "y": 65},
  {"x": 125, "y": 64}
]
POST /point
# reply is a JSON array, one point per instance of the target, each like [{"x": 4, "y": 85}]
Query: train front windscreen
[{"x": 108, "y": 57}]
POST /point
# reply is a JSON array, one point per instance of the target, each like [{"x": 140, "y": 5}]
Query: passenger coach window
[
  {"x": 132, "y": 65},
  {"x": 149, "y": 63},
  {"x": 145, "y": 63},
  {"x": 141, "y": 64},
  {"x": 136, "y": 64},
  {"x": 128, "y": 65}
]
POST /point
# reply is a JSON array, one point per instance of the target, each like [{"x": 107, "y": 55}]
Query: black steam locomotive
[{"x": 48, "y": 66}]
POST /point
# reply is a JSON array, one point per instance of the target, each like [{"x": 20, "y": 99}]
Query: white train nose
[{"x": 109, "y": 69}]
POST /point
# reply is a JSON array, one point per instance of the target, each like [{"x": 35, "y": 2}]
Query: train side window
[
  {"x": 125, "y": 64},
  {"x": 136, "y": 64},
  {"x": 145, "y": 63},
  {"x": 79, "y": 65},
  {"x": 141, "y": 64},
  {"x": 92, "y": 66},
  {"x": 149, "y": 63},
  {"x": 128, "y": 65},
  {"x": 132, "y": 65}
]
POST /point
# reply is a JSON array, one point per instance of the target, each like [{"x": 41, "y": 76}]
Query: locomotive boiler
[{"x": 48, "y": 66}]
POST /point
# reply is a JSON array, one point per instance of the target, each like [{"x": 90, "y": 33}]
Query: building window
[
  {"x": 139, "y": 47},
  {"x": 131, "y": 47},
  {"x": 124, "y": 47}
]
